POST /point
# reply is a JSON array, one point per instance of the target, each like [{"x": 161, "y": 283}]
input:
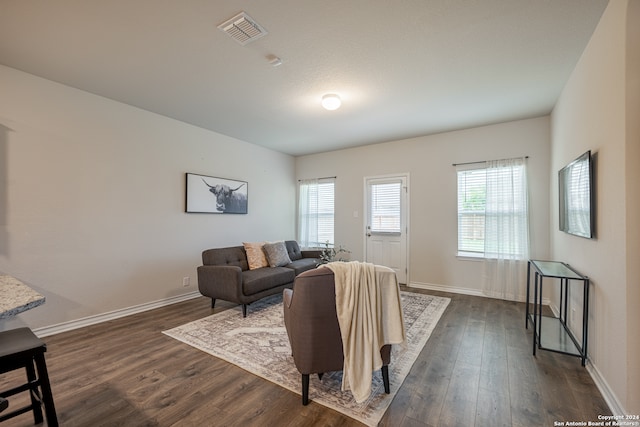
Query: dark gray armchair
[{"x": 312, "y": 325}]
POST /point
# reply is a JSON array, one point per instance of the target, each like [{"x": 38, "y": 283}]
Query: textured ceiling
[{"x": 403, "y": 68}]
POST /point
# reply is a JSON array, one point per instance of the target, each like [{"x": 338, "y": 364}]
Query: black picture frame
[{"x": 210, "y": 194}]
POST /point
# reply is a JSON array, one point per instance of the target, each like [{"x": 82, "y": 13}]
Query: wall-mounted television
[{"x": 577, "y": 208}]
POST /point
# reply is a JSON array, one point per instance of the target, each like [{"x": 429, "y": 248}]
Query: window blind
[
  {"x": 385, "y": 207},
  {"x": 325, "y": 212},
  {"x": 471, "y": 210},
  {"x": 316, "y": 212}
]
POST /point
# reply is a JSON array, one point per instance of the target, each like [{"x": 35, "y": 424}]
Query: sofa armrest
[
  {"x": 311, "y": 253},
  {"x": 220, "y": 281}
]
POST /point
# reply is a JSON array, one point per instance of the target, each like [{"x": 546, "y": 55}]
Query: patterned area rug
[{"x": 259, "y": 344}]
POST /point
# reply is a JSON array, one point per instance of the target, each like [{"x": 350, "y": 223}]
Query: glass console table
[{"x": 549, "y": 332}]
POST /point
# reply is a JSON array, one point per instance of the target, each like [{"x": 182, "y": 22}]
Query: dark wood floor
[{"x": 475, "y": 370}]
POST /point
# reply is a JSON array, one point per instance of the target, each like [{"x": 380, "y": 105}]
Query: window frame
[{"x": 466, "y": 252}]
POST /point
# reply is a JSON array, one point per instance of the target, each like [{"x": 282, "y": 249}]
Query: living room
[{"x": 92, "y": 198}]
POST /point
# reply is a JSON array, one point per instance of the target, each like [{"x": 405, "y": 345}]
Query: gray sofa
[{"x": 225, "y": 274}]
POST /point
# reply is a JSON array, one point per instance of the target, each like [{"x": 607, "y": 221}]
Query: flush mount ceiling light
[{"x": 331, "y": 101}]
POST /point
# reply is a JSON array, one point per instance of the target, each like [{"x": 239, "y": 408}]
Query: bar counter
[{"x": 16, "y": 297}]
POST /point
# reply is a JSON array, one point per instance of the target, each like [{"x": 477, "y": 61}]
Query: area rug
[{"x": 259, "y": 344}]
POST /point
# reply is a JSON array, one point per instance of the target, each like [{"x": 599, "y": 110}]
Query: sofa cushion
[
  {"x": 235, "y": 255},
  {"x": 277, "y": 254},
  {"x": 293, "y": 249},
  {"x": 302, "y": 265},
  {"x": 254, "y": 281},
  {"x": 255, "y": 255}
]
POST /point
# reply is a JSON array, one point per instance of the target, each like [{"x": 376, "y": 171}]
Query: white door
[{"x": 387, "y": 223}]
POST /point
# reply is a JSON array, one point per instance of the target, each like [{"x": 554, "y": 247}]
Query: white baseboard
[
  {"x": 443, "y": 288},
  {"x": 607, "y": 394},
  {"x": 116, "y": 314},
  {"x": 459, "y": 290}
]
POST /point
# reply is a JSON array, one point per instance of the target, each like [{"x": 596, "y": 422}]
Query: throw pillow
[
  {"x": 255, "y": 255},
  {"x": 277, "y": 254}
]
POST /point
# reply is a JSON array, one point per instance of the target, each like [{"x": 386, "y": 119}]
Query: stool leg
[
  {"x": 47, "y": 396},
  {"x": 36, "y": 405}
]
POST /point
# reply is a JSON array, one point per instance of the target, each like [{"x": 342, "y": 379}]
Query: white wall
[
  {"x": 433, "y": 220},
  {"x": 92, "y": 199},
  {"x": 632, "y": 182},
  {"x": 598, "y": 110}
]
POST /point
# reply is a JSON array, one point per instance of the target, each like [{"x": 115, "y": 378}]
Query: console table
[
  {"x": 549, "y": 332},
  {"x": 16, "y": 297}
]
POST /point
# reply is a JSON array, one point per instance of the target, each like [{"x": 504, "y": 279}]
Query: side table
[{"x": 552, "y": 333}]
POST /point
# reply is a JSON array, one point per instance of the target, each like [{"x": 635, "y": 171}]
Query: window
[
  {"x": 472, "y": 192},
  {"x": 493, "y": 210},
  {"x": 385, "y": 207},
  {"x": 316, "y": 212}
]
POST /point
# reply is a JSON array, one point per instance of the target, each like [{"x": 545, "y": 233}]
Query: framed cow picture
[{"x": 209, "y": 194}]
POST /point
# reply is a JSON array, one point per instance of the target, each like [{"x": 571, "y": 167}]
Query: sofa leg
[
  {"x": 385, "y": 379},
  {"x": 305, "y": 389},
  {"x": 213, "y": 302},
  {"x": 244, "y": 310}
]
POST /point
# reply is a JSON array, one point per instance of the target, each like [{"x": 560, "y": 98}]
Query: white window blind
[
  {"x": 385, "y": 207},
  {"x": 471, "y": 210},
  {"x": 325, "y": 212},
  {"x": 316, "y": 212}
]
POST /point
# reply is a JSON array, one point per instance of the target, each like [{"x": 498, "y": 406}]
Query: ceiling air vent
[{"x": 242, "y": 28}]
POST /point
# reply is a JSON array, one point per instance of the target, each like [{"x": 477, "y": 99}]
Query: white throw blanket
[{"x": 370, "y": 315}]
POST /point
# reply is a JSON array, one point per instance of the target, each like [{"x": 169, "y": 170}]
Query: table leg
[
  {"x": 535, "y": 313},
  {"x": 526, "y": 316}
]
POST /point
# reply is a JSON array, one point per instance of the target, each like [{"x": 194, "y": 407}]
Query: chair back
[{"x": 312, "y": 323}]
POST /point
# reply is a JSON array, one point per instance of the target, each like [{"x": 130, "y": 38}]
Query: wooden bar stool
[{"x": 20, "y": 348}]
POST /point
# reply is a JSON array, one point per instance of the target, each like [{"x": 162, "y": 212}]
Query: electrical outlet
[{"x": 186, "y": 281}]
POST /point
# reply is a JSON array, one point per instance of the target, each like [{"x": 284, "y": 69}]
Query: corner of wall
[{"x": 632, "y": 159}]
